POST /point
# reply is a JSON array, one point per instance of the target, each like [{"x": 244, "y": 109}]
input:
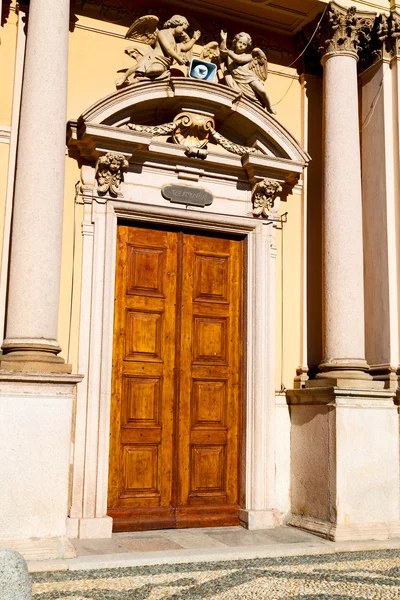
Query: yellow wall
[{"x": 7, "y": 61}]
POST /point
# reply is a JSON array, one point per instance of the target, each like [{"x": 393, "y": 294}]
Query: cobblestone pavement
[{"x": 346, "y": 576}]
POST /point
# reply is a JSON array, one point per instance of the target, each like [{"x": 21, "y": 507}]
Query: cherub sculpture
[
  {"x": 168, "y": 45},
  {"x": 246, "y": 69}
]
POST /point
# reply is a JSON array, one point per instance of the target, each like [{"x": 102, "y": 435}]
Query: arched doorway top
[{"x": 245, "y": 132}]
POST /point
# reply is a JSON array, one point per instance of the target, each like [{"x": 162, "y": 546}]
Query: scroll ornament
[
  {"x": 265, "y": 197},
  {"x": 109, "y": 172}
]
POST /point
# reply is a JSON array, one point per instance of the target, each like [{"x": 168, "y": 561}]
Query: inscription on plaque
[{"x": 185, "y": 194}]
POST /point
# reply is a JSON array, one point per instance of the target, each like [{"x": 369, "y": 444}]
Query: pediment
[{"x": 135, "y": 120}]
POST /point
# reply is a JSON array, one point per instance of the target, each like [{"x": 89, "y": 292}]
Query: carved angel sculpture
[
  {"x": 246, "y": 69},
  {"x": 167, "y": 45}
]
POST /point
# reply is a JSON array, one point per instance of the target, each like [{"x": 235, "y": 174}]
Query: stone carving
[
  {"x": 231, "y": 146},
  {"x": 389, "y": 33},
  {"x": 210, "y": 52},
  {"x": 164, "y": 129},
  {"x": 109, "y": 172},
  {"x": 348, "y": 29},
  {"x": 168, "y": 45},
  {"x": 193, "y": 129},
  {"x": 265, "y": 197},
  {"x": 245, "y": 68}
]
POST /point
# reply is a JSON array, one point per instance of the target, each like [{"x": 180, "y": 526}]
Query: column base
[
  {"x": 87, "y": 529},
  {"x": 344, "y": 368},
  {"x": 259, "y": 519},
  {"x": 31, "y": 356},
  {"x": 345, "y": 461},
  {"x": 346, "y": 532}
]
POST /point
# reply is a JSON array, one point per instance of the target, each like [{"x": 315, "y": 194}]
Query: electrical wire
[
  {"x": 374, "y": 102},
  {"x": 301, "y": 54}
]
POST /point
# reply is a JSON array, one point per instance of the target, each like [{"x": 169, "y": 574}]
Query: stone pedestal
[
  {"x": 35, "y": 450},
  {"x": 345, "y": 462},
  {"x": 345, "y": 436}
]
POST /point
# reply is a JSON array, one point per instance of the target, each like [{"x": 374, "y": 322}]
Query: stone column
[
  {"x": 344, "y": 345},
  {"x": 34, "y": 277},
  {"x": 36, "y": 388},
  {"x": 345, "y": 431}
]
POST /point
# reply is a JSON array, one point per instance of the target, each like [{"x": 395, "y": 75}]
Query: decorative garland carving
[
  {"x": 265, "y": 197},
  {"x": 231, "y": 146},
  {"x": 165, "y": 129},
  {"x": 193, "y": 130},
  {"x": 110, "y": 170}
]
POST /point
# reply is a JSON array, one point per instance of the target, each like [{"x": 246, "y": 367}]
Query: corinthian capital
[{"x": 345, "y": 30}]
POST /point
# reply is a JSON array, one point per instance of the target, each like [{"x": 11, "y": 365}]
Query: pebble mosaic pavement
[{"x": 346, "y": 576}]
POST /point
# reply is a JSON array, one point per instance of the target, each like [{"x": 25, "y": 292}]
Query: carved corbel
[
  {"x": 110, "y": 170},
  {"x": 265, "y": 197}
]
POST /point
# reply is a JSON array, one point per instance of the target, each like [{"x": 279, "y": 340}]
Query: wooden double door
[{"x": 175, "y": 440}]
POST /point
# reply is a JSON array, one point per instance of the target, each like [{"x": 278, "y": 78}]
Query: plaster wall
[
  {"x": 379, "y": 215},
  {"x": 8, "y": 33}
]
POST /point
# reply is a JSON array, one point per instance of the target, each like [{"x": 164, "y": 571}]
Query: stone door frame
[
  {"x": 232, "y": 176},
  {"x": 90, "y": 474}
]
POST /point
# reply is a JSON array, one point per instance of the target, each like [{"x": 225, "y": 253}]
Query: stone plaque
[{"x": 185, "y": 194}]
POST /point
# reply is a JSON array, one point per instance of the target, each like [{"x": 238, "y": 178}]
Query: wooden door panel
[
  {"x": 209, "y": 420},
  {"x": 176, "y": 394},
  {"x": 141, "y": 453}
]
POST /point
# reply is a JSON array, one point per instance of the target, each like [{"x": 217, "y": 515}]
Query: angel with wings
[
  {"x": 168, "y": 45},
  {"x": 246, "y": 69}
]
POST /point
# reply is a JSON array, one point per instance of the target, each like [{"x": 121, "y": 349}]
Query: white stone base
[
  {"x": 259, "y": 519},
  {"x": 89, "y": 528},
  {"x": 343, "y": 532},
  {"x": 345, "y": 462},
  {"x": 35, "y": 449}
]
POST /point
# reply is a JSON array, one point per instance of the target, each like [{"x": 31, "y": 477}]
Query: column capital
[
  {"x": 345, "y": 30},
  {"x": 389, "y": 34}
]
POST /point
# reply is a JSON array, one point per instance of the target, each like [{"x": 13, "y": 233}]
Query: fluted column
[
  {"x": 34, "y": 277},
  {"x": 344, "y": 343}
]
